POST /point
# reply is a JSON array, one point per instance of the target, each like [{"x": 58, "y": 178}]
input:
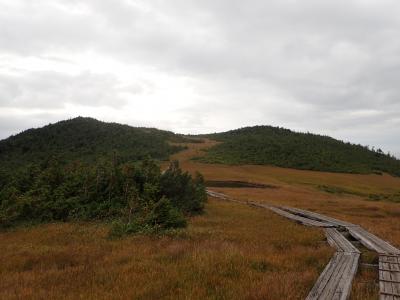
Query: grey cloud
[
  {"x": 54, "y": 90},
  {"x": 309, "y": 65},
  {"x": 13, "y": 123},
  {"x": 41, "y": 27}
]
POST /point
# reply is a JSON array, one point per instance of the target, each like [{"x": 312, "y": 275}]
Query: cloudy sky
[{"x": 330, "y": 67}]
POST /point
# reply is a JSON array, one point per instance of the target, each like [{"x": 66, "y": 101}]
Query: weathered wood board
[
  {"x": 217, "y": 195},
  {"x": 317, "y": 216},
  {"x": 338, "y": 241},
  {"x": 299, "y": 219},
  {"x": 389, "y": 277},
  {"x": 336, "y": 279},
  {"x": 372, "y": 242}
]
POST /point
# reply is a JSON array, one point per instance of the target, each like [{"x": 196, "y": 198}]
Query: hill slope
[
  {"x": 86, "y": 139},
  {"x": 266, "y": 145}
]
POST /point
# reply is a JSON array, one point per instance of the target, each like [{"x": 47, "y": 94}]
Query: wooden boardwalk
[
  {"x": 338, "y": 241},
  {"x": 299, "y": 219},
  {"x": 317, "y": 216},
  {"x": 389, "y": 277},
  {"x": 217, "y": 195},
  {"x": 372, "y": 242},
  {"x": 389, "y": 256},
  {"x": 336, "y": 279}
]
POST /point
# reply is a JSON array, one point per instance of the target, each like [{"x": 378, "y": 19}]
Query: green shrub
[
  {"x": 185, "y": 193},
  {"x": 138, "y": 196},
  {"x": 164, "y": 215}
]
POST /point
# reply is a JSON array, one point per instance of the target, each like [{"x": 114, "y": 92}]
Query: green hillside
[
  {"x": 86, "y": 140},
  {"x": 84, "y": 169},
  {"x": 266, "y": 145}
]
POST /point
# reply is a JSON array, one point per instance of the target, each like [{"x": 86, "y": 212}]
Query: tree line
[
  {"x": 88, "y": 140},
  {"x": 284, "y": 148}
]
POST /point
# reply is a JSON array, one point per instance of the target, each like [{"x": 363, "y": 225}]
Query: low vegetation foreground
[{"x": 95, "y": 210}]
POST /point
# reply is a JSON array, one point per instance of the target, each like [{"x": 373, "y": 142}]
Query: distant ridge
[
  {"x": 86, "y": 139},
  {"x": 267, "y": 145}
]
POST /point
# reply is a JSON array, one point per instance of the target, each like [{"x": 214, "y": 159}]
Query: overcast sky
[{"x": 330, "y": 67}]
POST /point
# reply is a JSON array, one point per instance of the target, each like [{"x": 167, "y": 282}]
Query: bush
[
  {"x": 184, "y": 193},
  {"x": 165, "y": 216},
  {"x": 136, "y": 196}
]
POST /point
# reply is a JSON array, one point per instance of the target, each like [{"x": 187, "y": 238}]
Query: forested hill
[
  {"x": 266, "y": 145},
  {"x": 84, "y": 169},
  {"x": 87, "y": 140}
]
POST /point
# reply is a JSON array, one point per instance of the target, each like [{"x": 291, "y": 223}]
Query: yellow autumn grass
[
  {"x": 231, "y": 252},
  {"x": 298, "y": 188},
  {"x": 301, "y": 188}
]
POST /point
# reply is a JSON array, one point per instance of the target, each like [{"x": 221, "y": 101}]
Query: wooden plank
[
  {"x": 344, "y": 287},
  {"x": 348, "y": 273},
  {"x": 318, "y": 217},
  {"x": 366, "y": 238},
  {"x": 348, "y": 281},
  {"x": 298, "y": 219},
  {"x": 337, "y": 240},
  {"x": 372, "y": 241},
  {"x": 332, "y": 288},
  {"x": 335, "y": 281},
  {"x": 389, "y": 277},
  {"x": 323, "y": 279},
  {"x": 216, "y": 194}
]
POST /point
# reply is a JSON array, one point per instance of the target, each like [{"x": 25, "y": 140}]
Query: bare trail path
[{"x": 336, "y": 279}]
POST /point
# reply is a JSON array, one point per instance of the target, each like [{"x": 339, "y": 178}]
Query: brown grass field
[{"x": 231, "y": 252}]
